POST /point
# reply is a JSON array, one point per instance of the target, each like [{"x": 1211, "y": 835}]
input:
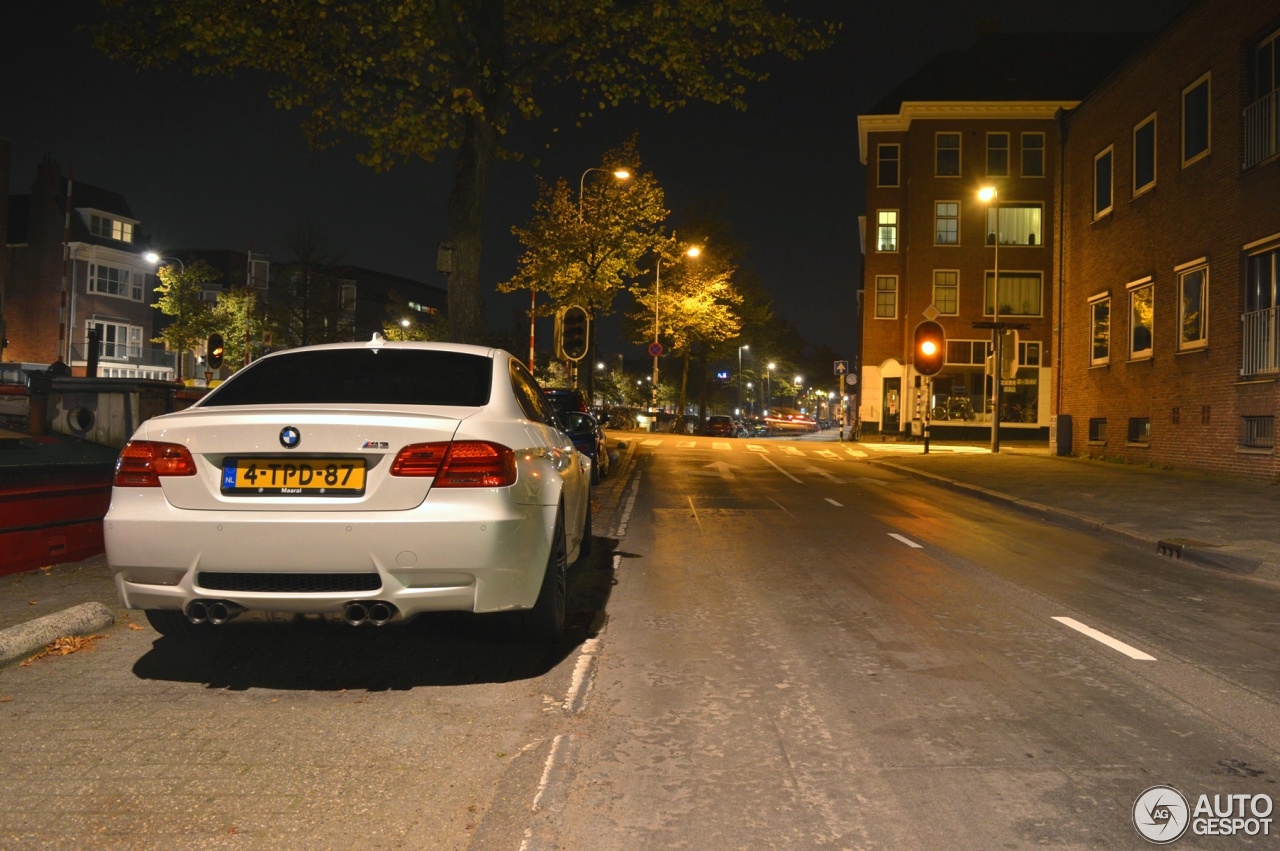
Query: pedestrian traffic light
[
  {"x": 573, "y": 325},
  {"x": 214, "y": 351},
  {"x": 930, "y": 349}
]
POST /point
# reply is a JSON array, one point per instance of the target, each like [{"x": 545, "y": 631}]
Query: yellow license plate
[{"x": 293, "y": 476}]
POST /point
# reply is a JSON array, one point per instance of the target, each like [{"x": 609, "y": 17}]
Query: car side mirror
[{"x": 575, "y": 422}]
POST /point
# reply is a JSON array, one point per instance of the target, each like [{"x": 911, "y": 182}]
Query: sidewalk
[{"x": 1216, "y": 521}]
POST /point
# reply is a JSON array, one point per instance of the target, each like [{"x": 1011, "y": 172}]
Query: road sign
[
  {"x": 655, "y": 349},
  {"x": 842, "y": 367}
]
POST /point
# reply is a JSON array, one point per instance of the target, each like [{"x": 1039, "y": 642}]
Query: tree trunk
[{"x": 466, "y": 220}]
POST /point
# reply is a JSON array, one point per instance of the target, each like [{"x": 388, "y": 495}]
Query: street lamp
[
  {"x": 154, "y": 259},
  {"x": 619, "y": 173},
  {"x": 768, "y": 387},
  {"x": 988, "y": 196},
  {"x": 656, "y": 348}
]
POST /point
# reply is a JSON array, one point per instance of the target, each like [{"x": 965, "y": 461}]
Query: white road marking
[
  {"x": 791, "y": 450},
  {"x": 827, "y": 453},
  {"x": 833, "y": 502},
  {"x": 783, "y": 507},
  {"x": 686, "y": 444},
  {"x": 770, "y": 462},
  {"x": 580, "y": 683},
  {"x": 625, "y": 515},
  {"x": 1113, "y": 643},
  {"x": 906, "y": 540},
  {"x": 755, "y": 447},
  {"x": 653, "y": 441},
  {"x": 721, "y": 445}
]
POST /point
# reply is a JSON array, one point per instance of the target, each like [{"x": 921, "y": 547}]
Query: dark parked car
[
  {"x": 589, "y": 439},
  {"x": 720, "y": 425},
  {"x": 566, "y": 399}
]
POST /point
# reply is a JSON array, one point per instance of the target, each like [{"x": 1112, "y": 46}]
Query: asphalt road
[{"x": 778, "y": 646}]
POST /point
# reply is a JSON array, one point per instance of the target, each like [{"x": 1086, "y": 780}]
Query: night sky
[{"x": 208, "y": 163}]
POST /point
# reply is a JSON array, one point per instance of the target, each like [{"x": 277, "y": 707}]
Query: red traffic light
[{"x": 929, "y": 348}]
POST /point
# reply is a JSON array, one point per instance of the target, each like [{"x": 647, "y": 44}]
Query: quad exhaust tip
[{"x": 214, "y": 612}]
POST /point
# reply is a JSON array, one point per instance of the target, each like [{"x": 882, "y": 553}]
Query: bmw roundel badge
[{"x": 290, "y": 437}]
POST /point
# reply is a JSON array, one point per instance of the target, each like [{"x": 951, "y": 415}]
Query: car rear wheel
[
  {"x": 174, "y": 624},
  {"x": 544, "y": 623}
]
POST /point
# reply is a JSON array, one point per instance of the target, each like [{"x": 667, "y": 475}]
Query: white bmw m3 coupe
[{"x": 362, "y": 482}]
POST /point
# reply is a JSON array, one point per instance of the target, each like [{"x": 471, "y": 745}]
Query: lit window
[
  {"x": 1019, "y": 224},
  {"x": 887, "y": 230},
  {"x": 1193, "y": 308},
  {"x": 946, "y": 291},
  {"x": 886, "y": 296},
  {"x": 1141, "y": 320},
  {"x": 946, "y": 223},
  {"x": 1020, "y": 293},
  {"x": 1100, "y": 322}
]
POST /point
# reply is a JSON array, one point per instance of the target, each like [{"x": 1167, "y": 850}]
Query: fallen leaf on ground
[
  {"x": 134, "y": 626},
  {"x": 63, "y": 646},
  {"x": 33, "y": 602}
]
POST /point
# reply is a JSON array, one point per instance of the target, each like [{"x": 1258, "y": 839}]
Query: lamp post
[
  {"x": 691, "y": 251},
  {"x": 740, "y": 348},
  {"x": 768, "y": 387},
  {"x": 988, "y": 196},
  {"x": 154, "y": 259}
]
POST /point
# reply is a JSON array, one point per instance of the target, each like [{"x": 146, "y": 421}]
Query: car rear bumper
[{"x": 443, "y": 556}]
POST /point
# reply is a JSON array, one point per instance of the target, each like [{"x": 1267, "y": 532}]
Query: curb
[{"x": 27, "y": 638}]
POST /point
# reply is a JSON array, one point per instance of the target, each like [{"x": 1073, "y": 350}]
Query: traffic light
[
  {"x": 572, "y": 327},
  {"x": 930, "y": 348},
  {"x": 214, "y": 351}
]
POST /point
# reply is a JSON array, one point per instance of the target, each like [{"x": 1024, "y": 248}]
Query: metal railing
[
  {"x": 1260, "y": 336},
  {"x": 1261, "y": 129},
  {"x": 117, "y": 359}
]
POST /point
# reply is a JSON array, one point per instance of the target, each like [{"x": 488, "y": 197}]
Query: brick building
[
  {"x": 1170, "y": 346},
  {"x": 68, "y": 275},
  {"x": 986, "y": 117}
]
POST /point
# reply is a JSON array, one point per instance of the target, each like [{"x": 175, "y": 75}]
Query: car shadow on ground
[{"x": 446, "y": 649}]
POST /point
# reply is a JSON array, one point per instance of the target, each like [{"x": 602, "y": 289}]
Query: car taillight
[
  {"x": 460, "y": 464},
  {"x": 143, "y": 462}
]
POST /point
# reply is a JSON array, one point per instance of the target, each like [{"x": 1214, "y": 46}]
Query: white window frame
[
  {"x": 989, "y": 291},
  {"x": 883, "y": 226},
  {"x": 953, "y": 285},
  {"x": 131, "y": 281},
  {"x": 891, "y": 293},
  {"x": 959, "y": 149},
  {"x": 1207, "y": 81},
  {"x": 1155, "y": 147},
  {"x": 938, "y": 218},
  {"x": 1008, "y": 141},
  {"x": 111, "y": 344},
  {"x": 896, "y": 159},
  {"x": 1183, "y": 272},
  {"x": 1135, "y": 288},
  {"x": 1109, "y": 152},
  {"x": 1040, "y": 149},
  {"x": 1097, "y": 301}
]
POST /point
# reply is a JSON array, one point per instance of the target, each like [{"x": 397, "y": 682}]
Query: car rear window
[{"x": 361, "y": 377}]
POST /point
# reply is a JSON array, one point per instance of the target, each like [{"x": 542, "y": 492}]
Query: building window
[
  {"x": 1019, "y": 224},
  {"x": 1141, "y": 320},
  {"x": 886, "y": 296},
  {"x": 946, "y": 291},
  {"x": 110, "y": 228},
  {"x": 1020, "y": 293},
  {"x": 947, "y": 155},
  {"x": 1262, "y": 281},
  {"x": 1258, "y": 432},
  {"x": 1195, "y": 121},
  {"x": 1139, "y": 430},
  {"x": 1029, "y": 353},
  {"x": 1033, "y": 155},
  {"x": 971, "y": 352},
  {"x": 117, "y": 342},
  {"x": 1193, "y": 307},
  {"x": 1261, "y": 119},
  {"x": 887, "y": 230},
  {"x": 1144, "y": 156},
  {"x": 1102, "y": 183},
  {"x": 946, "y": 218},
  {"x": 112, "y": 280},
  {"x": 1100, "y": 322},
  {"x": 1098, "y": 430},
  {"x": 887, "y": 162},
  {"x": 997, "y": 155},
  {"x": 347, "y": 294}
]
